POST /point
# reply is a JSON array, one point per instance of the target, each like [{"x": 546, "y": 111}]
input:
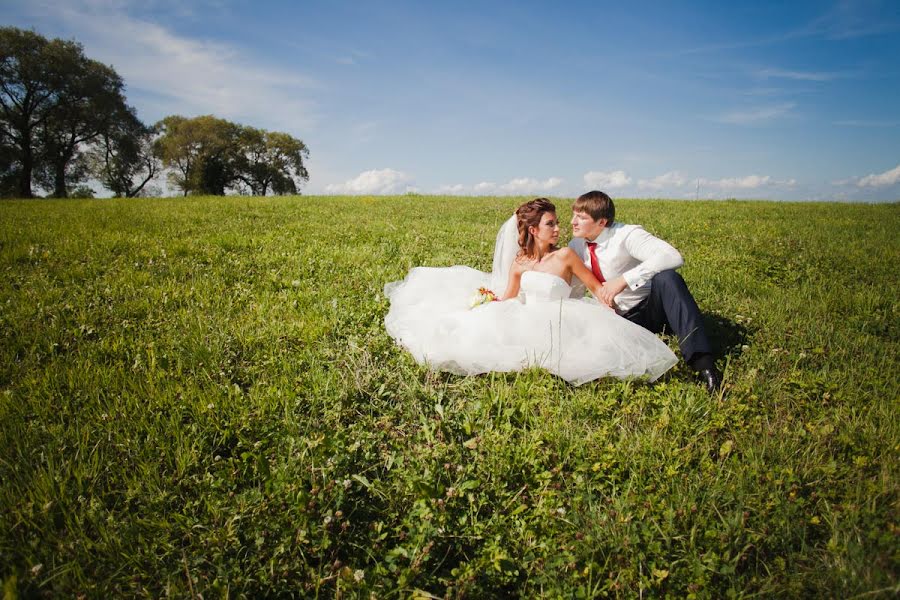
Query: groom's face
[{"x": 584, "y": 226}]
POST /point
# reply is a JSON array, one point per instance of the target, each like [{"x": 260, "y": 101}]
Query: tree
[
  {"x": 58, "y": 173},
  {"x": 208, "y": 155},
  {"x": 83, "y": 191},
  {"x": 125, "y": 161},
  {"x": 30, "y": 77},
  {"x": 200, "y": 151},
  {"x": 53, "y": 101},
  {"x": 89, "y": 101},
  {"x": 270, "y": 160},
  {"x": 9, "y": 168}
]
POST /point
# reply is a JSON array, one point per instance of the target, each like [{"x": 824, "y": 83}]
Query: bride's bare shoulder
[{"x": 566, "y": 253}]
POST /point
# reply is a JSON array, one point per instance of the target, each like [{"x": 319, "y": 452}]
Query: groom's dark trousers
[{"x": 670, "y": 306}]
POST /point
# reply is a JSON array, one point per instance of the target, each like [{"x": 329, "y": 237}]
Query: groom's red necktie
[{"x": 595, "y": 264}]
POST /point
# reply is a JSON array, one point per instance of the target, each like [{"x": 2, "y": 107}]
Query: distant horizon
[
  {"x": 793, "y": 101},
  {"x": 884, "y": 201}
]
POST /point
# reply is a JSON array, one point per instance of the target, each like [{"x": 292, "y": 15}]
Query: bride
[{"x": 534, "y": 324}]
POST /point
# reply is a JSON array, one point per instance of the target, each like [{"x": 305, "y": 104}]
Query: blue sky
[{"x": 780, "y": 100}]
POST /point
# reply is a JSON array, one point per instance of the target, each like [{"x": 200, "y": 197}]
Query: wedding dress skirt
[{"x": 577, "y": 339}]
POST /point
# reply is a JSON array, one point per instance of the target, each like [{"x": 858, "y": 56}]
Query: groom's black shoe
[{"x": 712, "y": 379}]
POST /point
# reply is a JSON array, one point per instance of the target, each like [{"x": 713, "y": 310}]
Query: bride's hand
[
  {"x": 605, "y": 293},
  {"x": 610, "y": 289}
]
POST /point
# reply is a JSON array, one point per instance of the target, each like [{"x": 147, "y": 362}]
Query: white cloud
[
  {"x": 513, "y": 187},
  {"x": 743, "y": 183},
  {"x": 866, "y": 123},
  {"x": 891, "y": 177},
  {"x": 748, "y": 182},
  {"x": 175, "y": 74},
  {"x": 796, "y": 75},
  {"x": 760, "y": 114},
  {"x": 666, "y": 180},
  {"x": 526, "y": 185},
  {"x": 451, "y": 190},
  {"x": 611, "y": 179},
  {"x": 376, "y": 181}
]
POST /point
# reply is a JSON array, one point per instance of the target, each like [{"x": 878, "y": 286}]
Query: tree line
[{"x": 64, "y": 120}]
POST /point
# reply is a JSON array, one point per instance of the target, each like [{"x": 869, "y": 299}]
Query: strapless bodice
[{"x": 538, "y": 286}]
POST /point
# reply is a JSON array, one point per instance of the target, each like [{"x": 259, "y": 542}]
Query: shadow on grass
[{"x": 726, "y": 336}]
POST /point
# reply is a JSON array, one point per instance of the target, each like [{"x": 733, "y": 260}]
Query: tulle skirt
[{"x": 576, "y": 339}]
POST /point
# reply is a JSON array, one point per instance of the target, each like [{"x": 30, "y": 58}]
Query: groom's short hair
[{"x": 598, "y": 205}]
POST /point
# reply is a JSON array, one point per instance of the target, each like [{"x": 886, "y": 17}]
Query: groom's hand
[{"x": 610, "y": 289}]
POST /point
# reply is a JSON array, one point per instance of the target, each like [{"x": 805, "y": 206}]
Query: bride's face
[{"x": 547, "y": 231}]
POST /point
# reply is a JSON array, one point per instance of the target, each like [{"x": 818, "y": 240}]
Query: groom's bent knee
[{"x": 668, "y": 279}]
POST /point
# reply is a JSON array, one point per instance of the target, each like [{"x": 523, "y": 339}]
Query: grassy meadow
[{"x": 198, "y": 398}]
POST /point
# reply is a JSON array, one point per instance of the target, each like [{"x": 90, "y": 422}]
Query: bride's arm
[
  {"x": 583, "y": 273},
  {"x": 512, "y": 287}
]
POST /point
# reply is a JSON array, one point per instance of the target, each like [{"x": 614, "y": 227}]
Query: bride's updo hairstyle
[{"x": 529, "y": 215}]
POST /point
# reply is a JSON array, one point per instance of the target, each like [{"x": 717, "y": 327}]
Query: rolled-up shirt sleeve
[{"x": 655, "y": 256}]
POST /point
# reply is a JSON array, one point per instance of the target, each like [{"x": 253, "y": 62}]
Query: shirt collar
[{"x": 604, "y": 235}]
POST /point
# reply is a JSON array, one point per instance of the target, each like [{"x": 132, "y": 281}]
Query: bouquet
[{"x": 482, "y": 296}]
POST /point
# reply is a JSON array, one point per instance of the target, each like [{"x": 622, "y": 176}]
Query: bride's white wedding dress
[{"x": 578, "y": 339}]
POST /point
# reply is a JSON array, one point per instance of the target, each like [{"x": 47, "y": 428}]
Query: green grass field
[{"x": 198, "y": 397}]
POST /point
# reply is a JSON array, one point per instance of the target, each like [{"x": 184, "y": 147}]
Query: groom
[{"x": 637, "y": 271}]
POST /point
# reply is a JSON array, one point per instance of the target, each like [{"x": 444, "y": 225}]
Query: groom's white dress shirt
[{"x": 627, "y": 251}]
